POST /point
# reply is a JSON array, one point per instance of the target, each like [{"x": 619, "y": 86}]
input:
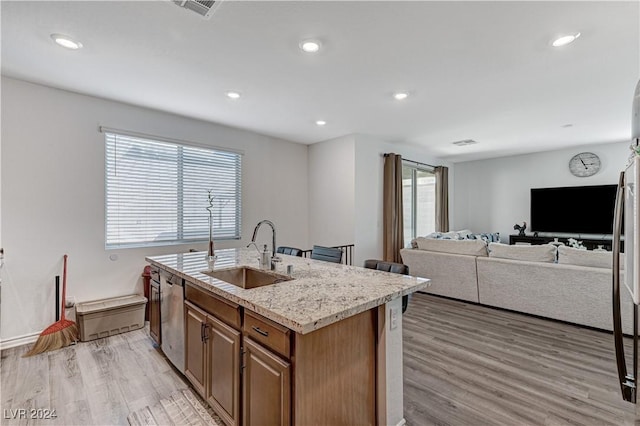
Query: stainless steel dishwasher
[{"x": 172, "y": 318}]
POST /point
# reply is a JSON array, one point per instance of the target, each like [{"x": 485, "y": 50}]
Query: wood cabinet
[
  {"x": 266, "y": 387},
  {"x": 324, "y": 377},
  {"x": 223, "y": 370},
  {"x": 212, "y": 361},
  {"x": 267, "y": 333},
  {"x": 154, "y": 311},
  {"x": 195, "y": 347}
]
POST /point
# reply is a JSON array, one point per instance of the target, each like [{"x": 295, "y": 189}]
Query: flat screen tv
[{"x": 573, "y": 209}]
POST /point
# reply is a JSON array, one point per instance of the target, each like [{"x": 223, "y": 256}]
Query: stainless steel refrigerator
[{"x": 627, "y": 212}]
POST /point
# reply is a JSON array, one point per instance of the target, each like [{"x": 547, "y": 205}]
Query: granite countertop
[{"x": 319, "y": 294}]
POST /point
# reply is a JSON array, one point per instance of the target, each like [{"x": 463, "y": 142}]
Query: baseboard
[
  {"x": 18, "y": 341},
  {"x": 402, "y": 422},
  {"x": 25, "y": 339},
  {"x": 498, "y": 308}
]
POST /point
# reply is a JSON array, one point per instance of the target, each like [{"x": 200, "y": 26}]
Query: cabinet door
[
  {"x": 194, "y": 340},
  {"x": 154, "y": 312},
  {"x": 266, "y": 387},
  {"x": 223, "y": 377}
]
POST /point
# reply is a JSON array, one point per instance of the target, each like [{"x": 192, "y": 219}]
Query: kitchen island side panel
[{"x": 335, "y": 373}]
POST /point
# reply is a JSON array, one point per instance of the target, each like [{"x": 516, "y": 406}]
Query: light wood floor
[
  {"x": 92, "y": 383},
  {"x": 464, "y": 365}
]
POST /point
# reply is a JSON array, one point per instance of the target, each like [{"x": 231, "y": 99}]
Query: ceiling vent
[
  {"x": 465, "y": 142},
  {"x": 204, "y": 8}
]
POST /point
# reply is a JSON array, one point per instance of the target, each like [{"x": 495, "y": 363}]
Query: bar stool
[
  {"x": 292, "y": 251},
  {"x": 328, "y": 254},
  {"x": 396, "y": 268}
]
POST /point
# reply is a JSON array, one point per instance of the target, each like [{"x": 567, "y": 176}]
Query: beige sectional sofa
[
  {"x": 559, "y": 283},
  {"x": 449, "y": 264}
]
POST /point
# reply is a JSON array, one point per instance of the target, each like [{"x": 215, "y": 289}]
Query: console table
[{"x": 590, "y": 244}]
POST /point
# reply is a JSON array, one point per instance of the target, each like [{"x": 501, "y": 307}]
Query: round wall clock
[{"x": 584, "y": 164}]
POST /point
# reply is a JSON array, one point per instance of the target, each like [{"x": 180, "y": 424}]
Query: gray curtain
[
  {"x": 393, "y": 227},
  {"x": 442, "y": 198}
]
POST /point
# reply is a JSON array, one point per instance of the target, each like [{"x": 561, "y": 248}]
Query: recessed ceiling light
[
  {"x": 310, "y": 46},
  {"x": 565, "y": 39},
  {"x": 320, "y": 122},
  {"x": 66, "y": 41},
  {"x": 400, "y": 95},
  {"x": 233, "y": 95}
]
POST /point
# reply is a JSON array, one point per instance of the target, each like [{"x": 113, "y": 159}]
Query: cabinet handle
[
  {"x": 202, "y": 332},
  {"x": 257, "y": 330},
  {"x": 206, "y": 332}
]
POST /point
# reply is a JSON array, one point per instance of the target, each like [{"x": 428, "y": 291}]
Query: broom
[{"x": 59, "y": 334}]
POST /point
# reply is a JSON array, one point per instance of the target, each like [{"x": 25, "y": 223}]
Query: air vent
[
  {"x": 204, "y": 8},
  {"x": 465, "y": 142}
]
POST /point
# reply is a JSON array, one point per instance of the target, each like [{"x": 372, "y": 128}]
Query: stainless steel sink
[{"x": 246, "y": 277}]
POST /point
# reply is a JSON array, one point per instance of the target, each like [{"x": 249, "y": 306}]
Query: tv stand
[{"x": 590, "y": 244}]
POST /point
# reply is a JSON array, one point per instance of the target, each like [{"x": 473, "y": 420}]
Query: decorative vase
[{"x": 211, "y": 252}]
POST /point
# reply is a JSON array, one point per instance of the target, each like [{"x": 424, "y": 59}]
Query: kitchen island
[{"x": 321, "y": 346}]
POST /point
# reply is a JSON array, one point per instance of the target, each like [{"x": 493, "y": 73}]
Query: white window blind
[{"x": 157, "y": 192}]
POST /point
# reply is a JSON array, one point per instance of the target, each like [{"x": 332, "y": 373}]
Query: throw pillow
[
  {"x": 467, "y": 247},
  {"x": 596, "y": 259},
  {"x": 487, "y": 237},
  {"x": 542, "y": 253},
  {"x": 451, "y": 235}
]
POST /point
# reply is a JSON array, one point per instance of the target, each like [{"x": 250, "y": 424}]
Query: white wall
[
  {"x": 1, "y": 272},
  {"x": 368, "y": 191},
  {"x": 492, "y": 195},
  {"x": 345, "y": 191},
  {"x": 331, "y": 192},
  {"x": 52, "y": 188}
]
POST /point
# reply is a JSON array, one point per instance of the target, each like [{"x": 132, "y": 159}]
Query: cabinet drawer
[
  {"x": 268, "y": 333},
  {"x": 225, "y": 311}
]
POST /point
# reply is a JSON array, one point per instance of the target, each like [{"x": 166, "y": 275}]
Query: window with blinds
[{"x": 157, "y": 192}]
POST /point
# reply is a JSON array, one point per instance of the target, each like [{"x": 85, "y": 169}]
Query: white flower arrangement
[{"x": 576, "y": 244}]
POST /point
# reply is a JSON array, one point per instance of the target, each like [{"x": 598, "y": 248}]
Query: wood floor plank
[
  {"x": 108, "y": 404},
  {"x": 31, "y": 390},
  {"x": 464, "y": 365},
  {"x": 66, "y": 377},
  {"x": 9, "y": 376},
  {"x": 92, "y": 383},
  {"x": 467, "y": 364}
]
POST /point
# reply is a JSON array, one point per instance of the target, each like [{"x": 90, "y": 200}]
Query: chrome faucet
[
  {"x": 274, "y": 258},
  {"x": 253, "y": 244}
]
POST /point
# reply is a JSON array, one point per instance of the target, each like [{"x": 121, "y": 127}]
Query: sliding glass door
[{"x": 419, "y": 201}]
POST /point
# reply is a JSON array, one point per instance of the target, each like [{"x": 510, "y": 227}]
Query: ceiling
[{"x": 474, "y": 70}]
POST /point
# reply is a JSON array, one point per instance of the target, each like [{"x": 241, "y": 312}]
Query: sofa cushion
[
  {"x": 541, "y": 253},
  {"x": 467, "y": 247},
  {"x": 451, "y": 275},
  {"x": 596, "y": 259}
]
